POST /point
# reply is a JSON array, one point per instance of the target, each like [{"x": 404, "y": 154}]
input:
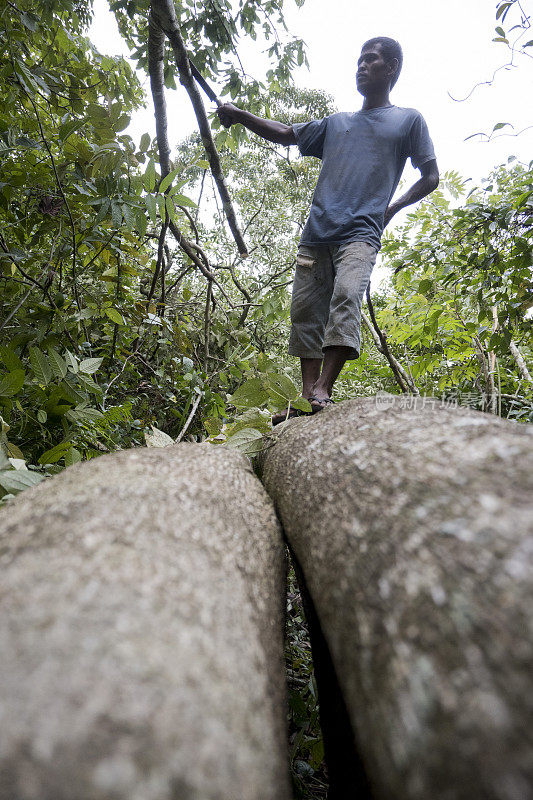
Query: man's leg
[
  {"x": 352, "y": 265},
  {"x": 335, "y": 358},
  {"x": 311, "y": 295},
  {"x": 310, "y": 375}
]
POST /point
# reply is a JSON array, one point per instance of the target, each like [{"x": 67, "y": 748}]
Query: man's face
[{"x": 373, "y": 72}]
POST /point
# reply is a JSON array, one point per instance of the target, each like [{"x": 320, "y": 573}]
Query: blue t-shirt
[{"x": 363, "y": 155}]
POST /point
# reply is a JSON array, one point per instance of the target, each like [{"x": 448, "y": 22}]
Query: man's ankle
[{"x": 321, "y": 389}]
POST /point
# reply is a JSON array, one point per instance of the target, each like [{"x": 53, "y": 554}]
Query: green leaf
[
  {"x": 171, "y": 210},
  {"x": 57, "y": 363},
  {"x": 116, "y": 214},
  {"x": 29, "y": 20},
  {"x": 213, "y": 425},
  {"x": 56, "y": 453},
  {"x": 90, "y": 365},
  {"x": 149, "y": 176},
  {"x": 122, "y": 123},
  {"x": 503, "y": 8},
  {"x": 500, "y": 125},
  {"x": 167, "y": 180},
  {"x": 252, "y": 418},
  {"x": 230, "y": 143},
  {"x": 40, "y": 365},
  {"x": 157, "y": 438},
  {"x": 42, "y": 416},
  {"x": 251, "y": 394},
  {"x": 87, "y": 415},
  {"x": 16, "y": 480},
  {"x": 142, "y": 221},
  {"x": 72, "y": 362},
  {"x": 127, "y": 211},
  {"x": 87, "y": 382},
  {"x": 247, "y": 440},
  {"x": 181, "y": 200},
  {"x": 160, "y": 202},
  {"x": 145, "y": 142},
  {"x": 114, "y": 316},
  {"x": 10, "y": 358},
  {"x": 72, "y": 457},
  {"x": 151, "y": 207},
  {"x": 280, "y": 389},
  {"x": 301, "y": 404},
  {"x": 68, "y": 128},
  {"x": 12, "y": 383}
]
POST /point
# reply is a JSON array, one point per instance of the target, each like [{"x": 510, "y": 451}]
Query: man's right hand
[
  {"x": 227, "y": 114},
  {"x": 269, "y": 129}
]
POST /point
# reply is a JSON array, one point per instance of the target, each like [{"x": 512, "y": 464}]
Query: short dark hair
[{"x": 391, "y": 49}]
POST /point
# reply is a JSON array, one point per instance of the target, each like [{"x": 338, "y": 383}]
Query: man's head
[{"x": 379, "y": 65}]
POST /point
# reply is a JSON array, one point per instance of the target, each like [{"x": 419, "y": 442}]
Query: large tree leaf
[
  {"x": 12, "y": 383},
  {"x": 41, "y": 366},
  {"x": 55, "y": 453},
  {"x": 251, "y": 394},
  {"x": 248, "y": 440},
  {"x": 16, "y": 480},
  {"x": 281, "y": 389},
  {"x": 57, "y": 363},
  {"x": 90, "y": 365}
]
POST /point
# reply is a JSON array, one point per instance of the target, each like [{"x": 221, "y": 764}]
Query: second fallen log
[{"x": 413, "y": 527}]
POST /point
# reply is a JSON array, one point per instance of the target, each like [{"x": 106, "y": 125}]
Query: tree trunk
[
  {"x": 413, "y": 526},
  {"x": 141, "y": 632}
]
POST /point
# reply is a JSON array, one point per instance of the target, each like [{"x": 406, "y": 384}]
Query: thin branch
[
  {"x": 163, "y": 13},
  {"x": 399, "y": 373},
  {"x": 492, "y": 361},
  {"x": 520, "y": 362},
  {"x": 20, "y": 303},
  {"x": 178, "y": 280},
  {"x": 188, "y": 248},
  {"x": 207, "y": 321},
  {"x": 480, "y": 353},
  {"x": 192, "y": 223},
  {"x": 189, "y": 419},
  {"x": 160, "y": 254},
  {"x": 197, "y": 211},
  {"x": 256, "y": 213}
]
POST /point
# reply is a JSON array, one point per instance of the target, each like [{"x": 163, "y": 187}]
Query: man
[{"x": 363, "y": 155}]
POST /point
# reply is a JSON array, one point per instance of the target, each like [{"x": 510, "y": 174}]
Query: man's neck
[{"x": 380, "y": 100}]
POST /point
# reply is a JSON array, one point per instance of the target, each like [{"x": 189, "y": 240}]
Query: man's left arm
[{"x": 424, "y": 186}]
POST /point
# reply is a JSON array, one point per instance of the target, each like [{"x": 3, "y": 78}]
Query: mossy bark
[
  {"x": 413, "y": 527},
  {"x": 141, "y": 653}
]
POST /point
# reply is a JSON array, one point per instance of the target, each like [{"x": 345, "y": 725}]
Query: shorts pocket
[{"x": 306, "y": 257}]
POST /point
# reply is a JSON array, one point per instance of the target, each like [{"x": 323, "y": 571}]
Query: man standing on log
[{"x": 363, "y": 155}]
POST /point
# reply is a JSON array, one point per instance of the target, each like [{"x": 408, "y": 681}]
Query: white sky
[{"x": 447, "y": 49}]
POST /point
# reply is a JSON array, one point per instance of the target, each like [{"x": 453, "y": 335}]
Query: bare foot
[
  {"x": 281, "y": 416},
  {"x": 319, "y": 401}
]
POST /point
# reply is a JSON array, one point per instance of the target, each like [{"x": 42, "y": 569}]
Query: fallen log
[
  {"x": 412, "y": 525},
  {"x": 141, "y": 632}
]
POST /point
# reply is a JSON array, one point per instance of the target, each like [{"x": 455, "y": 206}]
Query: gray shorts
[{"x": 327, "y": 293}]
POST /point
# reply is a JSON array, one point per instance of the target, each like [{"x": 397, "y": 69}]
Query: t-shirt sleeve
[
  {"x": 420, "y": 144},
  {"x": 310, "y": 136}
]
